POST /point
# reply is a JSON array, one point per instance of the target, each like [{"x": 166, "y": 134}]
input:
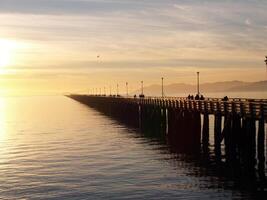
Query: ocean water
[{"x": 56, "y": 148}]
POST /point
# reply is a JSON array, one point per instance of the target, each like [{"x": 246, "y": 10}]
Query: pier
[{"x": 239, "y": 126}]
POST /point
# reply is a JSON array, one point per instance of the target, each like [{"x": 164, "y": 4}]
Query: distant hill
[
  {"x": 256, "y": 86},
  {"x": 228, "y": 86}
]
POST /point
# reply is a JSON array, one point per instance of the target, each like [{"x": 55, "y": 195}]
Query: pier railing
[
  {"x": 256, "y": 108},
  {"x": 251, "y": 108}
]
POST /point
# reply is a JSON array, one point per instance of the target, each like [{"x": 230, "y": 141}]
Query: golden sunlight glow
[
  {"x": 2, "y": 118},
  {"x": 6, "y": 52}
]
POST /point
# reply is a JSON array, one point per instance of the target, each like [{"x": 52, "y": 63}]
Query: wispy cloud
[
  {"x": 64, "y": 6},
  {"x": 132, "y": 35}
]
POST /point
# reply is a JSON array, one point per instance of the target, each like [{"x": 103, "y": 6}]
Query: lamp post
[
  {"x": 127, "y": 89},
  {"x": 198, "y": 92},
  {"x": 142, "y": 87},
  {"x": 266, "y": 62},
  {"x": 162, "y": 89},
  {"x": 109, "y": 90},
  {"x": 105, "y": 91},
  {"x": 117, "y": 89}
]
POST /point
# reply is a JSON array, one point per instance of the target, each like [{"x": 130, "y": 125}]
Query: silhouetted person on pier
[
  {"x": 225, "y": 98},
  {"x": 190, "y": 97},
  {"x": 202, "y": 97},
  {"x": 135, "y": 96},
  {"x": 197, "y": 97},
  {"x": 141, "y": 96}
]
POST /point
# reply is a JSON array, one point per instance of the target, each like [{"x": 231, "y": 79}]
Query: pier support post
[
  {"x": 218, "y": 135},
  {"x": 171, "y": 125},
  {"x": 205, "y": 132},
  {"x": 261, "y": 149},
  {"x": 196, "y": 130},
  {"x": 236, "y": 134},
  {"x": 227, "y": 135},
  {"x": 163, "y": 121},
  {"x": 249, "y": 145}
]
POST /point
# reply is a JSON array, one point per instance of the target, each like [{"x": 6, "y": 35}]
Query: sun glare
[{"x": 6, "y": 50}]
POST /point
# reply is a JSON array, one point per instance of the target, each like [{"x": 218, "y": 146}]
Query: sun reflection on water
[{"x": 2, "y": 118}]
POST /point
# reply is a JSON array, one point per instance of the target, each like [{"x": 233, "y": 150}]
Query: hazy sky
[{"x": 53, "y": 45}]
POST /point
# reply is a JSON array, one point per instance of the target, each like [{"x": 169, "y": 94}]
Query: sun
[{"x": 6, "y": 52}]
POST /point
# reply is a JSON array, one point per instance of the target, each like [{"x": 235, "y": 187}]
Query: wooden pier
[{"x": 239, "y": 125}]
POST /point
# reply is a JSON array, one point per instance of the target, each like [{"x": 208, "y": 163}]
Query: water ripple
[{"x": 65, "y": 150}]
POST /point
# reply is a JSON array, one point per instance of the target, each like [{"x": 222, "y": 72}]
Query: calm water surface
[{"x": 56, "y": 148}]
